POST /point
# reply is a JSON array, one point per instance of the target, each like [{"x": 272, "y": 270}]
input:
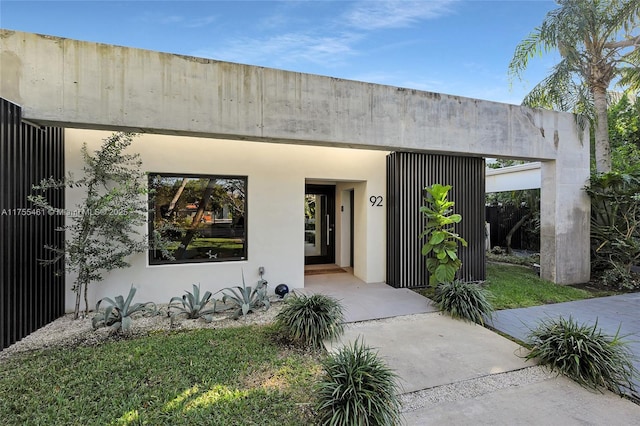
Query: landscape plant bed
[{"x": 205, "y": 376}]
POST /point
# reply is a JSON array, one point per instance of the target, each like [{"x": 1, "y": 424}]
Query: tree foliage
[
  {"x": 598, "y": 42},
  {"x": 104, "y": 229},
  {"x": 615, "y": 227}
]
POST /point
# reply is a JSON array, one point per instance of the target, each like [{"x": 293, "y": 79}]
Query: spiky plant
[
  {"x": 311, "y": 319},
  {"x": 464, "y": 300},
  {"x": 357, "y": 388},
  {"x": 192, "y": 305},
  {"x": 118, "y": 312},
  {"x": 246, "y": 299},
  {"x": 584, "y": 353}
]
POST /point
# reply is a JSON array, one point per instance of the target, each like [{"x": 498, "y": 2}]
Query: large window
[{"x": 200, "y": 218}]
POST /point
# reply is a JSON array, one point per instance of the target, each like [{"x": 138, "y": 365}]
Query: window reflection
[{"x": 200, "y": 218}]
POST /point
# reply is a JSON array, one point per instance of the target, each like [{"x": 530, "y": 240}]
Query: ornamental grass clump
[
  {"x": 357, "y": 388},
  {"x": 582, "y": 352},
  {"x": 464, "y": 300},
  {"x": 311, "y": 319}
]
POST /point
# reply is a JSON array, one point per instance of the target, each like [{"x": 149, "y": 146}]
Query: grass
[
  {"x": 227, "y": 376},
  {"x": 514, "y": 286}
]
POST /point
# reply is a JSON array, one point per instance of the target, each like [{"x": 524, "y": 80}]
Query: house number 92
[{"x": 376, "y": 200}]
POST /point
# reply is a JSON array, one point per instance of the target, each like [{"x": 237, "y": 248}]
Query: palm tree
[{"x": 598, "y": 41}]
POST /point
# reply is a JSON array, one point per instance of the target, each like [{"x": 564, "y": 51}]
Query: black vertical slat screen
[
  {"x": 30, "y": 295},
  {"x": 408, "y": 174}
]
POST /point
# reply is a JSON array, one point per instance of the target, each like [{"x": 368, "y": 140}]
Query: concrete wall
[
  {"x": 80, "y": 84},
  {"x": 275, "y": 220}
]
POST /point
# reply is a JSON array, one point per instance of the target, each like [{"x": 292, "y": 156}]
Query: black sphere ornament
[{"x": 282, "y": 290}]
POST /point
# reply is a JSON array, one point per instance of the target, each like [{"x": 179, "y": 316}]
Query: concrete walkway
[
  {"x": 611, "y": 312},
  {"x": 366, "y": 301},
  {"x": 453, "y": 372}
]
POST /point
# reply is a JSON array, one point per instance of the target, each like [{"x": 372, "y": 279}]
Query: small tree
[
  {"x": 442, "y": 241},
  {"x": 104, "y": 228}
]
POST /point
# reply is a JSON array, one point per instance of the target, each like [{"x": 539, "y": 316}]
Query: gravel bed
[
  {"x": 473, "y": 387},
  {"x": 67, "y": 332}
]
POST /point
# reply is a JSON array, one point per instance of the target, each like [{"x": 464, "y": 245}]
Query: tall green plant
[
  {"x": 103, "y": 230},
  {"x": 615, "y": 225},
  {"x": 442, "y": 241}
]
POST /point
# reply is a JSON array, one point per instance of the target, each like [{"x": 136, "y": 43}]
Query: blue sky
[{"x": 449, "y": 46}]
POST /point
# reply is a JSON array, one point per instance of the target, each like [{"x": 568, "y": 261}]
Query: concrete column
[{"x": 565, "y": 210}]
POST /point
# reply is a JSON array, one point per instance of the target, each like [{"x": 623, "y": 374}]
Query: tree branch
[{"x": 635, "y": 41}]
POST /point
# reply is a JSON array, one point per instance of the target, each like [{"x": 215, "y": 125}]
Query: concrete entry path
[
  {"x": 611, "y": 312},
  {"x": 367, "y": 301},
  {"x": 457, "y": 373},
  {"x": 428, "y": 350}
]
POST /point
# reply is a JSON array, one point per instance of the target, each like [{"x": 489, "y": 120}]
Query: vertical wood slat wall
[
  {"x": 30, "y": 295},
  {"x": 408, "y": 174}
]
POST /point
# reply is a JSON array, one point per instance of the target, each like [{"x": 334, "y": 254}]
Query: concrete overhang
[{"x": 73, "y": 83}]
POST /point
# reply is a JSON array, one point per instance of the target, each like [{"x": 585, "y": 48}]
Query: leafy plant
[
  {"x": 615, "y": 225},
  {"x": 247, "y": 299},
  {"x": 357, "y": 388},
  {"x": 192, "y": 305},
  {"x": 311, "y": 319},
  {"x": 464, "y": 300},
  {"x": 118, "y": 313},
  {"x": 582, "y": 352},
  {"x": 106, "y": 229},
  {"x": 442, "y": 241}
]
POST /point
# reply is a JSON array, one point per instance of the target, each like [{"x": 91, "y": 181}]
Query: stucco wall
[
  {"x": 276, "y": 184},
  {"x": 71, "y": 83}
]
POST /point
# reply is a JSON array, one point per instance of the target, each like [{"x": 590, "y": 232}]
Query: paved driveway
[{"x": 611, "y": 312}]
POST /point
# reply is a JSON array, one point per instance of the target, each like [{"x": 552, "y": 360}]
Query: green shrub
[
  {"x": 615, "y": 226},
  {"x": 582, "y": 352},
  {"x": 118, "y": 313},
  {"x": 357, "y": 388},
  {"x": 464, "y": 300},
  {"x": 247, "y": 299},
  {"x": 192, "y": 305},
  {"x": 311, "y": 319}
]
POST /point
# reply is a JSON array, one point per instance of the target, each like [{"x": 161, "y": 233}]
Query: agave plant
[
  {"x": 247, "y": 299},
  {"x": 118, "y": 312},
  {"x": 192, "y": 305}
]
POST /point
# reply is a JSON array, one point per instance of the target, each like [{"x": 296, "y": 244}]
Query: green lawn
[
  {"x": 223, "y": 377},
  {"x": 515, "y": 286}
]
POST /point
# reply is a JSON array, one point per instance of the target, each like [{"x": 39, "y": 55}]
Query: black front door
[{"x": 319, "y": 224}]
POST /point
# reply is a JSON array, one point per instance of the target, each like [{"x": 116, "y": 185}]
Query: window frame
[{"x": 158, "y": 261}]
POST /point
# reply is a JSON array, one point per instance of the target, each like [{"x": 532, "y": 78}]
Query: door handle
[{"x": 328, "y": 229}]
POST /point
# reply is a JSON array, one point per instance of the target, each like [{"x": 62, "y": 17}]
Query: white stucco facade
[
  {"x": 276, "y": 176},
  {"x": 78, "y": 84}
]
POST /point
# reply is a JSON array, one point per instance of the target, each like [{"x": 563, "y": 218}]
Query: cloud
[
  {"x": 178, "y": 20},
  {"x": 285, "y": 49},
  {"x": 385, "y": 14}
]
